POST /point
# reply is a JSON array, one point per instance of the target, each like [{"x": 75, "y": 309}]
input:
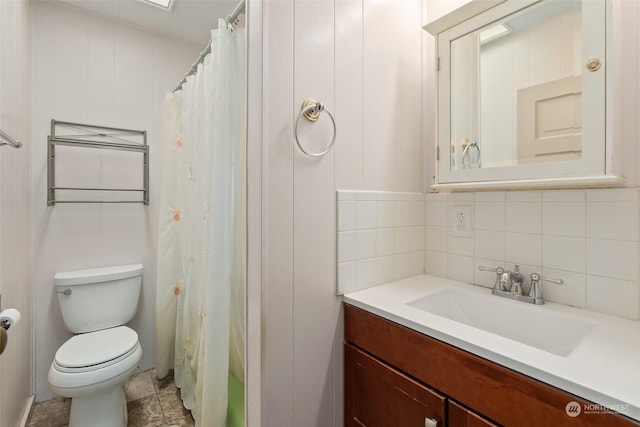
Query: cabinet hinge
[
  {"x": 438, "y": 64},
  {"x": 438, "y": 152}
]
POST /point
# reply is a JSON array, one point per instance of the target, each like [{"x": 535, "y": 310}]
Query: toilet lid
[{"x": 94, "y": 348}]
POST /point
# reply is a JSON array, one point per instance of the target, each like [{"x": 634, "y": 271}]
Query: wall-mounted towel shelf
[{"x": 100, "y": 137}]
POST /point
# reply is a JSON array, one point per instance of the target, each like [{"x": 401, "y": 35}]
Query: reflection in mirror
[{"x": 516, "y": 89}]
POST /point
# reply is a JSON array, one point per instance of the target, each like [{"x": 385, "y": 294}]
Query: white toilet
[{"x": 92, "y": 366}]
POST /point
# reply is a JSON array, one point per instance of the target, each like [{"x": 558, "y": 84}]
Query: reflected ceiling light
[
  {"x": 162, "y": 4},
  {"x": 493, "y": 33}
]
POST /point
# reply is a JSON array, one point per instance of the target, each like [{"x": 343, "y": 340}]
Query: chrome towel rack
[
  {"x": 5, "y": 139},
  {"x": 101, "y": 137},
  {"x": 311, "y": 110}
]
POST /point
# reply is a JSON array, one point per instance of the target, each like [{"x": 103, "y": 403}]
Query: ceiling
[{"x": 189, "y": 20}]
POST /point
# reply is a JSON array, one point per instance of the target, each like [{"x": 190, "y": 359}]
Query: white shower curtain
[{"x": 202, "y": 229}]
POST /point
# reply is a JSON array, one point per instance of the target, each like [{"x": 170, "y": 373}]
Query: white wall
[
  {"x": 363, "y": 60},
  {"x": 91, "y": 70},
  {"x": 15, "y": 286}
]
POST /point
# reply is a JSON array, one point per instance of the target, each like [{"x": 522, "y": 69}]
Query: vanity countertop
[{"x": 604, "y": 368}]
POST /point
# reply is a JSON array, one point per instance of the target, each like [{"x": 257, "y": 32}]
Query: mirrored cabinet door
[{"x": 522, "y": 94}]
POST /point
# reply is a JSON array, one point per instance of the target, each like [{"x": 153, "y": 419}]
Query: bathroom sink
[{"x": 536, "y": 326}]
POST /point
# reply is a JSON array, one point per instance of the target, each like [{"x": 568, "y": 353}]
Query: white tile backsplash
[
  {"x": 490, "y": 244},
  {"x": 461, "y": 268},
  {"x": 384, "y": 269},
  {"x": 523, "y": 248},
  {"x": 613, "y": 195},
  {"x": 564, "y": 196},
  {"x": 564, "y": 253},
  {"x": 380, "y": 237},
  {"x": 384, "y": 214},
  {"x": 524, "y": 217},
  {"x": 436, "y": 213},
  {"x": 613, "y": 220},
  {"x": 490, "y": 216},
  {"x": 346, "y": 215},
  {"x": 613, "y": 258},
  {"x": 613, "y": 296},
  {"x": 385, "y": 239},
  {"x": 365, "y": 273},
  {"x": 436, "y": 263},
  {"x": 402, "y": 240},
  {"x": 564, "y": 218},
  {"x": 436, "y": 238},
  {"x": 365, "y": 244},
  {"x": 347, "y": 246},
  {"x": 572, "y": 292},
  {"x": 402, "y": 266},
  {"x": 402, "y": 213},
  {"x": 524, "y": 196},
  {"x": 365, "y": 214},
  {"x": 460, "y": 245},
  {"x": 589, "y": 238},
  {"x": 491, "y": 196}
]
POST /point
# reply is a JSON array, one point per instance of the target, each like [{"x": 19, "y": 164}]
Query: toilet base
[{"x": 105, "y": 409}]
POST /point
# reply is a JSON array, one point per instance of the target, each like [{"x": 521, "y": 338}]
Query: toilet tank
[{"x": 98, "y": 298}]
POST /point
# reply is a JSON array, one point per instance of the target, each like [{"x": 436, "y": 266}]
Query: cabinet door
[
  {"x": 459, "y": 416},
  {"x": 378, "y": 395}
]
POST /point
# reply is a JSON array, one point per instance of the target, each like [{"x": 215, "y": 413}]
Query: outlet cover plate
[{"x": 461, "y": 221}]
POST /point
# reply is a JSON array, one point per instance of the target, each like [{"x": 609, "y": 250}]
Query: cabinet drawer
[
  {"x": 460, "y": 416},
  {"x": 378, "y": 395}
]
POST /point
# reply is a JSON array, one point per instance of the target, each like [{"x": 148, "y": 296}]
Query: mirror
[{"x": 522, "y": 93}]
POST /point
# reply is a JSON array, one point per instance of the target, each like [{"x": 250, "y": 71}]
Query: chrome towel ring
[{"x": 311, "y": 110}]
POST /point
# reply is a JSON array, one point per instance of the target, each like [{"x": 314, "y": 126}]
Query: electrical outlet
[{"x": 461, "y": 221}]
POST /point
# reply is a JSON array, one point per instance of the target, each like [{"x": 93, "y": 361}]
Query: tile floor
[{"x": 151, "y": 403}]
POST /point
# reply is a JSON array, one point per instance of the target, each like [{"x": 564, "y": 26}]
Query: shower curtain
[{"x": 202, "y": 228}]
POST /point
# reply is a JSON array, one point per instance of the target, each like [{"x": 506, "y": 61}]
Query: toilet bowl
[{"x": 92, "y": 366}]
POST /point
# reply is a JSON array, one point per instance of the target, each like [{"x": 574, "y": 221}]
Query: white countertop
[{"x": 604, "y": 368}]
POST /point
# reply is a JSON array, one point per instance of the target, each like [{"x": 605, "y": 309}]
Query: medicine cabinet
[{"x": 522, "y": 95}]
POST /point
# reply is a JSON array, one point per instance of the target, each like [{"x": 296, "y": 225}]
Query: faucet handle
[
  {"x": 536, "y": 277},
  {"x": 498, "y": 270},
  {"x": 536, "y": 288},
  {"x": 502, "y": 278}
]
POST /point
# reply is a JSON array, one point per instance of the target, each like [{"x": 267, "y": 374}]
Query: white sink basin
[{"x": 554, "y": 332}]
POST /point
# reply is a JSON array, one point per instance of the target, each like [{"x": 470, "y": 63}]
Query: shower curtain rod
[{"x": 231, "y": 21}]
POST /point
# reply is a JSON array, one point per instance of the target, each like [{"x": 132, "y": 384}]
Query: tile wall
[
  {"x": 589, "y": 238},
  {"x": 380, "y": 238}
]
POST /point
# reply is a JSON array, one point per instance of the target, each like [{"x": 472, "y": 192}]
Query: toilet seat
[{"x": 96, "y": 350}]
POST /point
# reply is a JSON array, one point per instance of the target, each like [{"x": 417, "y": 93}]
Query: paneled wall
[
  {"x": 91, "y": 70},
  {"x": 15, "y": 286},
  {"x": 362, "y": 59}
]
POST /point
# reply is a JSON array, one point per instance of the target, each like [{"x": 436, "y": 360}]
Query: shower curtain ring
[{"x": 311, "y": 110}]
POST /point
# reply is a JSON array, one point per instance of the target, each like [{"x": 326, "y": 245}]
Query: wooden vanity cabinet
[
  {"x": 459, "y": 416},
  {"x": 375, "y": 390},
  {"x": 395, "y": 376}
]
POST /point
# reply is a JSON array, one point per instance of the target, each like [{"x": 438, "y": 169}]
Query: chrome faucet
[{"x": 509, "y": 284}]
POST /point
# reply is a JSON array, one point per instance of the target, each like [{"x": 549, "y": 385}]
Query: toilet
[{"x": 92, "y": 366}]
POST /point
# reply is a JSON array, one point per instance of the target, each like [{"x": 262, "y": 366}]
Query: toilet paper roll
[{"x": 9, "y": 318}]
